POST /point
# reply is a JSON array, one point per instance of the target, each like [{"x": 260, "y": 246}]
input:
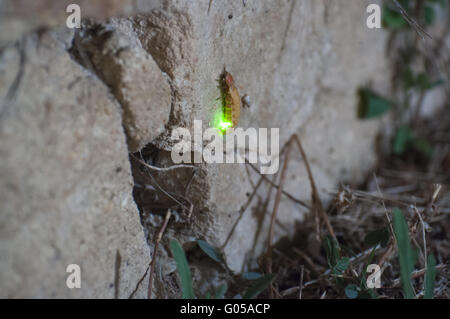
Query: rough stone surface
[
  {"x": 300, "y": 62},
  {"x": 66, "y": 190},
  {"x": 134, "y": 77}
]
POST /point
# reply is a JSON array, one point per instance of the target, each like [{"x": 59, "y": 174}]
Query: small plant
[
  {"x": 406, "y": 255},
  {"x": 259, "y": 286},
  {"x": 354, "y": 285},
  {"x": 407, "y": 258},
  {"x": 395, "y": 20},
  {"x": 371, "y": 105},
  {"x": 260, "y": 282},
  {"x": 430, "y": 277},
  {"x": 183, "y": 269},
  {"x": 398, "y": 17}
]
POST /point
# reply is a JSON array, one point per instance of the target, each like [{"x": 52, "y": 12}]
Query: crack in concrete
[
  {"x": 15, "y": 85},
  {"x": 80, "y": 56}
]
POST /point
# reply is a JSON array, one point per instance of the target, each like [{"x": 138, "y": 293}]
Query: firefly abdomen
[{"x": 231, "y": 99}]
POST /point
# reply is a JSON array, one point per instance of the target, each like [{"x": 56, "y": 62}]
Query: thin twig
[
  {"x": 189, "y": 210},
  {"x": 262, "y": 208},
  {"x": 423, "y": 236},
  {"x": 384, "y": 206},
  {"x": 158, "y": 186},
  {"x": 317, "y": 207},
  {"x": 308, "y": 260},
  {"x": 387, "y": 254},
  {"x": 292, "y": 198},
  {"x": 417, "y": 274},
  {"x": 325, "y": 273},
  {"x": 277, "y": 203},
  {"x": 163, "y": 169},
  {"x": 152, "y": 264},
  {"x": 420, "y": 31},
  {"x": 139, "y": 283},
  {"x": 301, "y": 282},
  {"x": 397, "y": 200},
  {"x": 275, "y": 209}
]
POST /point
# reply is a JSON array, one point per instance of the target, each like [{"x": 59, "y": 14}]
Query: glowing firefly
[{"x": 228, "y": 115}]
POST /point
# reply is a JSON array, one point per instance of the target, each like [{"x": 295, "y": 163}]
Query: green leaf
[
  {"x": 251, "y": 275},
  {"x": 332, "y": 250},
  {"x": 409, "y": 80},
  {"x": 423, "y": 81},
  {"x": 371, "y": 105},
  {"x": 379, "y": 236},
  {"x": 393, "y": 19},
  {"x": 211, "y": 251},
  {"x": 402, "y": 140},
  {"x": 341, "y": 266},
  {"x": 220, "y": 293},
  {"x": 406, "y": 139},
  {"x": 351, "y": 291},
  {"x": 430, "y": 15},
  {"x": 183, "y": 269},
  {"x": 337, "y": 264},
  {"x": 260, "y": 285},
  {"x": 405, "y": 253},
  {"x": 420, "y": 81},
  {"x": 430, "y": 277}
]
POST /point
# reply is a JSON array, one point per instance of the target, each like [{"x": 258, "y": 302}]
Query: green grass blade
[
  {"x": 259, "y": 286},
  {"x": 212, "y": 252},
  {"x": 332, "y": 250},
  {"x": 405, "y": 253},
  {"x": 220, "y": 293},
  {"x": 251, "y": 275},
  {"x": 183, "y": 269},
  {"x": 430, "y": 277}
]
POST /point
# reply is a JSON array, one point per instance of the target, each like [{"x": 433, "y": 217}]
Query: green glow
[
  {"x": 219, "y": 121},
  {"x": 225, "y": 125}
]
